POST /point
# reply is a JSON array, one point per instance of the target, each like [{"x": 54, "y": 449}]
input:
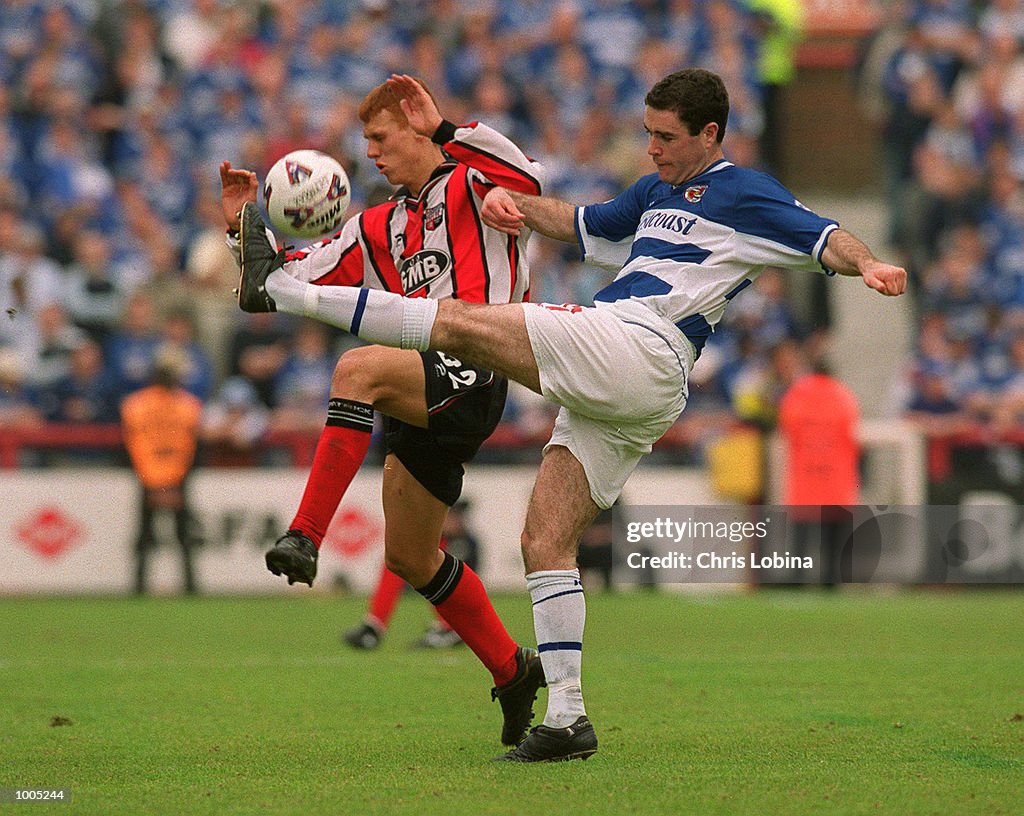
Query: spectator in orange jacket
[
  {"x": 818, "y": 419},
  {"x": 161, "y": 426}
]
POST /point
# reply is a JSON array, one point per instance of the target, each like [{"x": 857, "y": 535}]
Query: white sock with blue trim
[
  {"x": 559, "y": 615},
  {"x": 373, "y": 315}
]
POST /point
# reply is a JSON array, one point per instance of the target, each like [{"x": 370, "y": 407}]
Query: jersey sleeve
[
  {"x": 492, "y": 155},
  {"x": 777, "y": 229},
  {"x": 600, "y": 251},
  {"x": 605, "y": 231},
  {"x": 334, "y": 261}
]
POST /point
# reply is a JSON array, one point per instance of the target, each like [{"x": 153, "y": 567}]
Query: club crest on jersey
[
  {"x": 297, "y": 173},
  {"x": 695, "y": 192},
  {"x": 433, "y": 216},
  {"x": 422, "y": 269}
]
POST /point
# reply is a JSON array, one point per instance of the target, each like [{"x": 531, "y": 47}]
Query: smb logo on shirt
[{"x": 423, "y": 268}]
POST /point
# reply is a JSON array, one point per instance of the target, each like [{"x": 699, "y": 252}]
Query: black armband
[{"x": 445, "y": 133}]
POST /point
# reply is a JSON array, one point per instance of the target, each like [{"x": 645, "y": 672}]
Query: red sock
[
  {"x": 459, "y": 595},
  {"x": 385, "y": 597},
  {"x": 339, "y": 453}
]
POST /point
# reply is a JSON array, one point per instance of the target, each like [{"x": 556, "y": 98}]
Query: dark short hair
[{"x": 695, "y": 95}]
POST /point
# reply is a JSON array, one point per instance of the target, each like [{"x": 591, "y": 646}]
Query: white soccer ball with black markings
[{"x": 307, "y": 194}]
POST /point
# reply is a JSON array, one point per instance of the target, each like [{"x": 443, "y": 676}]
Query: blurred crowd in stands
[
  {"x": 944, "y": 80},
  {"x": 114, "y": 115}
]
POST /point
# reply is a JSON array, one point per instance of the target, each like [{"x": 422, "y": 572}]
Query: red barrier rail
[{"x": 301, "y": 444}]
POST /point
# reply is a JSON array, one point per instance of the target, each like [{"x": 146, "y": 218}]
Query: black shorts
[{"x": 464, "y": 405}]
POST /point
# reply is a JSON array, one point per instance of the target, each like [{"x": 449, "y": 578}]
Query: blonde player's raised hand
[
  {"x": 236, "y": 188},
  {"x": 417, "y": 105}
]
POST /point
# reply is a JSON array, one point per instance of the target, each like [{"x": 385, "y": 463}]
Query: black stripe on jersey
[
  {"x": 512, "y": 243},
  {"x": 480, "y": 238},
  {"x": 387, "y": 231},
  {"x": 498, "y": 160},
  {"x": 369, "y": 253},
  {"x": 447, "y": 167}
]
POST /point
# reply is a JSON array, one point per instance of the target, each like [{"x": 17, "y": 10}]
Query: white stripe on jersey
[{"x": 685, "y": 251}]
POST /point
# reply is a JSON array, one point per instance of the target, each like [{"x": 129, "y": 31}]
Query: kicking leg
[{"x": 491, "y": 336}]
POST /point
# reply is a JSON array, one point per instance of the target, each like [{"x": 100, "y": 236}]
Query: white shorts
[{"x": 619, "y": 372}]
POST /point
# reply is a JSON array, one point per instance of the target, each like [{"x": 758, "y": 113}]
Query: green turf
[{"x": 782, "y": 702}]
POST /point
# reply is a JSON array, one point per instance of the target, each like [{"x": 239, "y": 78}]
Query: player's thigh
[
  {"x": 392, "y": 380},
  {"x": 598, "y": 364},
  {"x": 560, "y": 509},
  {"x": 413, "y": 519},
  {"x": 492, "y": 336}
]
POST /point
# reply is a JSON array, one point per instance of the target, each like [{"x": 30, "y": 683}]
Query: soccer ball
[{"x": 307, "y": 194}]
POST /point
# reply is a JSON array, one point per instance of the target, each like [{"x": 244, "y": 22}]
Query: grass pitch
[{"x": 777, "y": 702}]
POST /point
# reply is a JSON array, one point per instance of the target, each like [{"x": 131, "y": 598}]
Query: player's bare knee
[
  {"x": 355, "y": 377},
  {"x": 542, "y": 552},
  {"x": 415, "y": 570},
  {"x": 399, "y": 564}
]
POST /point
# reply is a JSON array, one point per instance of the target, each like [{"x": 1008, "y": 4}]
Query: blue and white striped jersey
[{"x": 685, "y": 251}]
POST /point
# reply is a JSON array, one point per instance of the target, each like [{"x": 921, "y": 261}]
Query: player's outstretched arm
[
  {"x": 509, "y": 211},
  {"x": 236, "y": 187},
  {"x": 848, "y": 255}
]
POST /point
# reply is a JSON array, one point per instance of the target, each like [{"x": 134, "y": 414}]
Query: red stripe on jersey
[
  {"x": 496, "y": 169},
  {"x": 470, "y": 276},
  {"x": 375, "y": 225},
  {"x": 348, "y": 271},
  {"x": 482, "y": 188}
]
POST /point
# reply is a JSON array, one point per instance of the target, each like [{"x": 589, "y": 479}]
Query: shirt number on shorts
[{"x": 459, "y": 378}]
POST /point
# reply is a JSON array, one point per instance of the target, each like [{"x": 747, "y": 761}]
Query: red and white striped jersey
[{"x": 435, "y": 244}]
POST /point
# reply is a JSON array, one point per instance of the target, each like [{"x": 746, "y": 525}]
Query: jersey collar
[
  {"x": 441, "y": 170},
  {"x": 714, "y": 167}
]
